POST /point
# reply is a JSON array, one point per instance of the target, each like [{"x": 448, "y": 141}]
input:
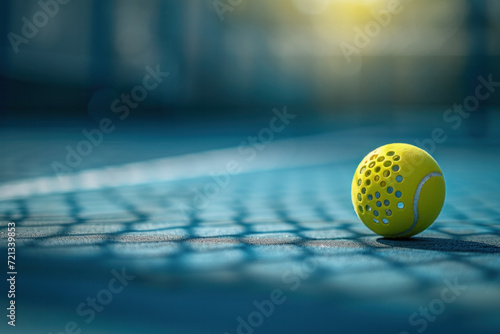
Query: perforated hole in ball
[
  {"x": 395, "y": 168},
  {"x": 370, "y": 197},
  {"x": 387, "y": 163},
  {"x": 390, "y": 190},
  {"x": 396, "y": 158},
  {"x": 377, "y": 169},
  {"x": 388, "y": 212},
  {"x": 381, "y": 158},
  {"x": 368, "y": 173},
  {"x": 379, "y": 204},
  {"x": 390, "y": 153},
  {"x": 359, "y": 197},
  {"x": 368, "y": 182},
  {"x": 387, "y": 202},
  {"x": 368, "y": 208},
  {"x": 375, "y": 220},
  {"x": 359, "y": 182},
  {"x": 398, "y": 194},
  {"x": 374, "y": 156},
  {"x": 363, "y": 190},
  {"x": 372, "y": 164},
  {"x": 376, "y": 178},
  {"x": 375, "y": 213},
  {"x": 385, "y": 221},
  {"x": 360, "y": 208},
  {"x": 382, "y": 184},
  {"x": 401, "y": 205},
  {"x": 377, "y": 194},
  {"x": 386, "y": 173},
  {"x": 362, "y": 170},
  {"x": 399, "y": 178}
]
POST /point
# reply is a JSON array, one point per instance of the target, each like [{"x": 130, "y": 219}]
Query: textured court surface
[{"x": 285, "y": 222}]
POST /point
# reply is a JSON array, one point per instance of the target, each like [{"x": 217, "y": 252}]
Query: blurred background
[
  {"x": 186, "y": 86},
  {"x": 237, "y": 60}
]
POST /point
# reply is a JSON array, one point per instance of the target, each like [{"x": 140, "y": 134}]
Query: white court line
[{"x": 288, "y": 153}]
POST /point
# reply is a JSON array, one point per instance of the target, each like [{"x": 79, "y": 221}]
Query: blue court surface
[{"x": 160, "y": 246}]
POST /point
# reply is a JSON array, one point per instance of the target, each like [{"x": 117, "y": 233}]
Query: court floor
[{"x": 273, "y": 247}]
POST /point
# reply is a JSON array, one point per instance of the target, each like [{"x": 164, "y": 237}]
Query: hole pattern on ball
[{"x": 374, "y": 168}]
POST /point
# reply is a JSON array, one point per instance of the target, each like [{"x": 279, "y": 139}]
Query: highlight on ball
[{"x": 398, "y": 190}]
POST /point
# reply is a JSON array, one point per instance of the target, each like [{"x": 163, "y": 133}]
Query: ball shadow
[{"x": 441, "y": 244}]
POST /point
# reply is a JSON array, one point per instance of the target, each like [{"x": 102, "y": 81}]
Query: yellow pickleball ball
[{"x": 398, "y": 190}]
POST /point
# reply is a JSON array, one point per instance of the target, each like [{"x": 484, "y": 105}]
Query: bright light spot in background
[
  {"x": 318, "y": 27},
  {"x": 349, "y": 9}
]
